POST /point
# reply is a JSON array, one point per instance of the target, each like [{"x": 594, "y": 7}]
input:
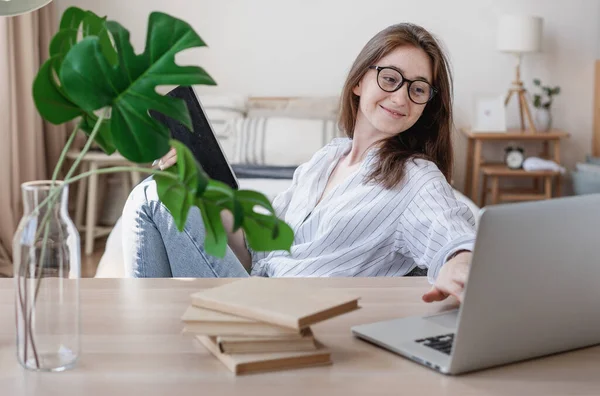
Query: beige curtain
[{"x": 29, "y": 147}]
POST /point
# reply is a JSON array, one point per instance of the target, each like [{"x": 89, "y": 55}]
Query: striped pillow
[
  {"x": 220, "y": 109},
  {"x": 279, "y": 140}
]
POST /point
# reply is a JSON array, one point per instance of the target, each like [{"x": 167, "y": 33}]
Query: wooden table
[
  {"x": 475, "y": 160},
  {"x": 132, "y": 346}
]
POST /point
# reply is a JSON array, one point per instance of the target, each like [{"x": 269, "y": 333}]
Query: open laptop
[
  {"x": 533, "y": 290},
  {"x": 201, "y": 140}
]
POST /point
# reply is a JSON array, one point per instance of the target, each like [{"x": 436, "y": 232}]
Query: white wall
[{"x": 305, "y": 47}]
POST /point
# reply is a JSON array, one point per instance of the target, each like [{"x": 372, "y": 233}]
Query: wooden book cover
[
  {"x": 212, "y": 323},
  {"x": 282, "y": 302},
  {"x": 234, "y": 345},
  {"x": 261, "y": 362}
]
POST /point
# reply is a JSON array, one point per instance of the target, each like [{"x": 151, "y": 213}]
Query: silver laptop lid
[{"x": 534, "y": 285}]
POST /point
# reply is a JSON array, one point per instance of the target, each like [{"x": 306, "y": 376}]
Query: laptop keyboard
[{"x": 442, "y": 343}]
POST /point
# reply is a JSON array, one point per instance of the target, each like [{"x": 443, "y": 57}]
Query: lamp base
[
  {"x": 518, "y": 90},
  {"x": 523, "y": 108}
]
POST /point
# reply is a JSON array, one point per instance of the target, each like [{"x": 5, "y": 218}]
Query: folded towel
[{"x": 536, "y": 163}]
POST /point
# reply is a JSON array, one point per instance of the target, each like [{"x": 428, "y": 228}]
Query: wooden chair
[{"x": 87, "y": 189}]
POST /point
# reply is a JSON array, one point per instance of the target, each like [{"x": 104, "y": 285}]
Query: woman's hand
[
  {"x": 167, "y": 160},
  {"x": 451, "y": 279}
]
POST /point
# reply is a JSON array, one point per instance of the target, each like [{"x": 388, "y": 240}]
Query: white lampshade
[
  {"x": 17, "y": 7},
  {"x": 519, "y": 33}
]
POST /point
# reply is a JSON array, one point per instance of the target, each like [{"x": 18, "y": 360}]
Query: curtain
[{"x": 29, "y": 147}]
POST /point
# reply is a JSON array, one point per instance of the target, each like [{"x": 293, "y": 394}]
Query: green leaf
[
  {"x": 129, "y": 87},
  {"x": 537, "y": 101},
  {"x": 556, "y": 90},
  {"x": 179, "y": 192},
  {"x": 189, "y": 170},
  {"x": 51, "y": 102},
  {"x": 536, "y": 81},
  {"x": 219, "y": 192},
  {"x": 71, "y": 18},
  {"x": 93, "y": 25},
  {"x": 267, "y": 233},
  {"x": 103, "y": 137},
  {"x": 238, "y": 215},
  {"x": 263, "y": 232},
  {"x": 215, "y": 242},
  {"x": 90, "y": 24},
  {"x": 224, "y": 196},
  {"x": 175, "y": 196},
  {"x": 60, "y": 45},
  {"x": 249, "y": 199}
]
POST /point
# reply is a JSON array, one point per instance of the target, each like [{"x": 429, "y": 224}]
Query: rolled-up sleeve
[{"x": 434, "y": 226}]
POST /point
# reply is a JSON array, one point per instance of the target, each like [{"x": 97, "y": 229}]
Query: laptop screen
[{"x": 201, "y": 140}]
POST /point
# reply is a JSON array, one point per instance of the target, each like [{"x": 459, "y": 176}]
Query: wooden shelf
[
  {"x": 515, "y": 134},
  {"x": 501, "y": 170}
]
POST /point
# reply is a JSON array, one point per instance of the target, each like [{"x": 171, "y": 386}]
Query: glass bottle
[{"x": 47, "y": 268}]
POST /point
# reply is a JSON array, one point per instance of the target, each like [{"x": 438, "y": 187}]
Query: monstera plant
[{"x": 93, "y": 76}]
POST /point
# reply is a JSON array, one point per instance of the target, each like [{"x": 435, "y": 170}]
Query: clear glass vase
[{"x": 47, "y": 263}]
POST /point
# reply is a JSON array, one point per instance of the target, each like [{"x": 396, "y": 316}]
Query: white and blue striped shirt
[{"x": 363, "y": 229}]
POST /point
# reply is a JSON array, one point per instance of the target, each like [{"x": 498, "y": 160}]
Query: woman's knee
[
  {"x": 144, "y": 203},
  {"x": 141, "y": 198}
]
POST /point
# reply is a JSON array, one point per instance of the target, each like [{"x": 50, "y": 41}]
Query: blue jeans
[{"x": 154, "y": 248}]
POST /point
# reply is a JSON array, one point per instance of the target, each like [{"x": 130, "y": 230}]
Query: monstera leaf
[
  {"x": 76, "y": 22},
  {"x": 129, "y": 87},
  {"x": 264, "y": 232},
  {"x": 50, "y": 98},
  {"x": 92, "y": 74},
  {"x": 179, "y": 193},
  {"x": 251, "y": 210}
]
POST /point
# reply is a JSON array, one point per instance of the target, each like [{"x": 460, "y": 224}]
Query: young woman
[{"x": 376, "y": 203}]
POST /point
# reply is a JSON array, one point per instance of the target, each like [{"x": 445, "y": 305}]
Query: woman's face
[{"x": 390, "y": 113}]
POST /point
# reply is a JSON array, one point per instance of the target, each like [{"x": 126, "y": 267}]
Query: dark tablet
[{"x": 201, "y": 140}]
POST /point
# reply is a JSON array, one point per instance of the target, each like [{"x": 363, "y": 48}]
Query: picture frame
[{"x": 490, "y": 114}]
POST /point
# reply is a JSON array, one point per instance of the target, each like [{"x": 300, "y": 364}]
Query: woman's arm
[
  {"x": 452, "y": 278},
  {"x": 433, "y": 228}
]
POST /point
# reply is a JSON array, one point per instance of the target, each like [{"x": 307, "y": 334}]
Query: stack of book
[{"x": 261, "y": 324}]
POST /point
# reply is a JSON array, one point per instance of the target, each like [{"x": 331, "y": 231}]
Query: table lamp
[
  {"x": 519, "y": 34},
  {"x": 17, "y": 7}
]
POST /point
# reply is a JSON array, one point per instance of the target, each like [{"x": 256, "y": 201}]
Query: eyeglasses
[{"x": 391, "y": 80}]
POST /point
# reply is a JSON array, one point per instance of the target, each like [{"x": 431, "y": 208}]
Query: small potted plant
[{"x": 543, "y": 102}]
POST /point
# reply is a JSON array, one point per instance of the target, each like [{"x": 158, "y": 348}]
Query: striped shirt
[{"x": 363, "y": 229}]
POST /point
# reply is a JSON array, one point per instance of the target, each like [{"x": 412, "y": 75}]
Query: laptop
[
  {"x": 201, "y": 140},
  {"x": 533, "y": 290}
]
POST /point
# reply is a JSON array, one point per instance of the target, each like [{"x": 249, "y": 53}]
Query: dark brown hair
[{"x": 430, "y": 136}]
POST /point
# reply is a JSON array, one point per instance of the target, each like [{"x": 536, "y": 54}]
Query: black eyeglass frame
[{"x": 404, "y": 79}]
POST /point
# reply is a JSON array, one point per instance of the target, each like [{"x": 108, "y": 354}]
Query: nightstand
[{"x": 477, "y": 166}]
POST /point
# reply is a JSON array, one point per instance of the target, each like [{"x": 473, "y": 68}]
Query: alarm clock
[{"x": 514, "y": 157}]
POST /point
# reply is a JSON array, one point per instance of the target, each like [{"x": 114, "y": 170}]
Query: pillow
[
  {"x": 279, "y": 140},
  {"x": 220, "y": 109}
]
